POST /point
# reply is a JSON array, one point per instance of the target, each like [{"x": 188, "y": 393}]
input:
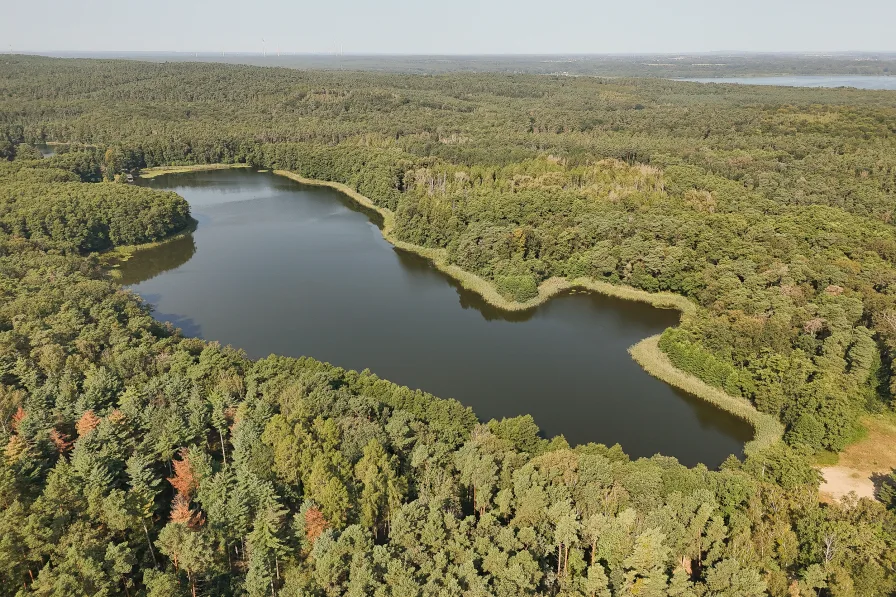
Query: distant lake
[
  {"x": 278, "y": 267},
  {"x": 857, "y": 81}
]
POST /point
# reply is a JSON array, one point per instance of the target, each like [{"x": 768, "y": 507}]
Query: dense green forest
[
  {"x": 34, "y": 204},
  {"x": 137, "y": 461}
]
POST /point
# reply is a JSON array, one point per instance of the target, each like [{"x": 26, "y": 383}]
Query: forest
[
  {"x": 138, "y": 461},
  {"x": 34, "y": 204}
]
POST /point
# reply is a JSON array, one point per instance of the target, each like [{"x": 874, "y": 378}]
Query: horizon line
[{"x": 274, "y": 53}]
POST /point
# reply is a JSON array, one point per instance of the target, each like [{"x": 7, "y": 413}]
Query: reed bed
[
  {"x": 160, "y": 170},
  {"x": 766, "y": 429}
]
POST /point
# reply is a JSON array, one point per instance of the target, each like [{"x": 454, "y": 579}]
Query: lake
[
  {"x": 857, "y": 81},
  {"x": 279, "y": 267}
]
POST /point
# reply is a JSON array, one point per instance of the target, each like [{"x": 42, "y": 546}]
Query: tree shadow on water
[
  {"x": 187, "y": 325},
  {"x": 148, "y": 263},
  {"x": 468, "y": 299}
]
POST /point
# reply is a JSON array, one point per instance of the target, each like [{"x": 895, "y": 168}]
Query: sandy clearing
[
  {"x": 840, "y": 480},
  {"x": 859, "y": 462}
]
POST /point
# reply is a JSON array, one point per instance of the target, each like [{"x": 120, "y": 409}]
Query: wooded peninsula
[{"x": 138, "y": 461}]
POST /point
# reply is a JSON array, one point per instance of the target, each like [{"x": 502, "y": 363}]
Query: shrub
[{"x": 519, "y": 288}]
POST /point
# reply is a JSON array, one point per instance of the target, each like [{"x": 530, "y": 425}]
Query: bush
[{"x": 519, "y": 288}]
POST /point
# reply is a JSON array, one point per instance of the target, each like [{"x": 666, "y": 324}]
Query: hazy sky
[{"x": 451, "y": 27}]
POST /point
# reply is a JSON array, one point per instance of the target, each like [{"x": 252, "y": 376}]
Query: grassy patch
[
  {"x": 767, "y": 429},
  {"x": 827, "y": 458},
  {"x": 864, "y": 463},
  {"x": 875, "y": 449}
]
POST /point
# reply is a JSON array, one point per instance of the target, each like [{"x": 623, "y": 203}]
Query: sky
[{"x": 449, "y": 27}]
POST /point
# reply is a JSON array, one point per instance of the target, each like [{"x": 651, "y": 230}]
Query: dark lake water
[
  {"x": 857, "y": 81},
  {"x": 277, "y": 267}
]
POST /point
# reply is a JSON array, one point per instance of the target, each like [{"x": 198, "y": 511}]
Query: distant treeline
[{"x": 645, "y": 65}]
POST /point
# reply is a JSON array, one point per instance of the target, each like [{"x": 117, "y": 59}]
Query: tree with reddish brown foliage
[
  {"x": 60, "y": 440},
  {"x": 184, "y": 480},
  {"x": 17, "y": 418},
  {"x": 181, "y": 512},
  {"x": 87, "y": 423},
  {"x": 315, "y": 524}
]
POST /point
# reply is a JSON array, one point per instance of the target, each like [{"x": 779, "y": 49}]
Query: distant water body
[{"x": 857, "y": 81}]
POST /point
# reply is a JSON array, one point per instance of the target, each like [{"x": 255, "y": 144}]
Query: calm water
[
  {"x": 277, "y": 267},
  {"x": 857, "y": 81}
]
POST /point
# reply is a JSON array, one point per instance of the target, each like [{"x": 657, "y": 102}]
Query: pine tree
[
  {"x": 144, "y": 488},
  {"x": 266, "y": 548}
]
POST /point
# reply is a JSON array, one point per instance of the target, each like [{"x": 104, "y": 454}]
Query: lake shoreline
[
  {"x": 645, "y": 353},
  {"x": 111, "y": 258},
  {"x": 767, "y": 429},
  {"x": 869, "y": 83},
  {"x": 160, "y": 170}
]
